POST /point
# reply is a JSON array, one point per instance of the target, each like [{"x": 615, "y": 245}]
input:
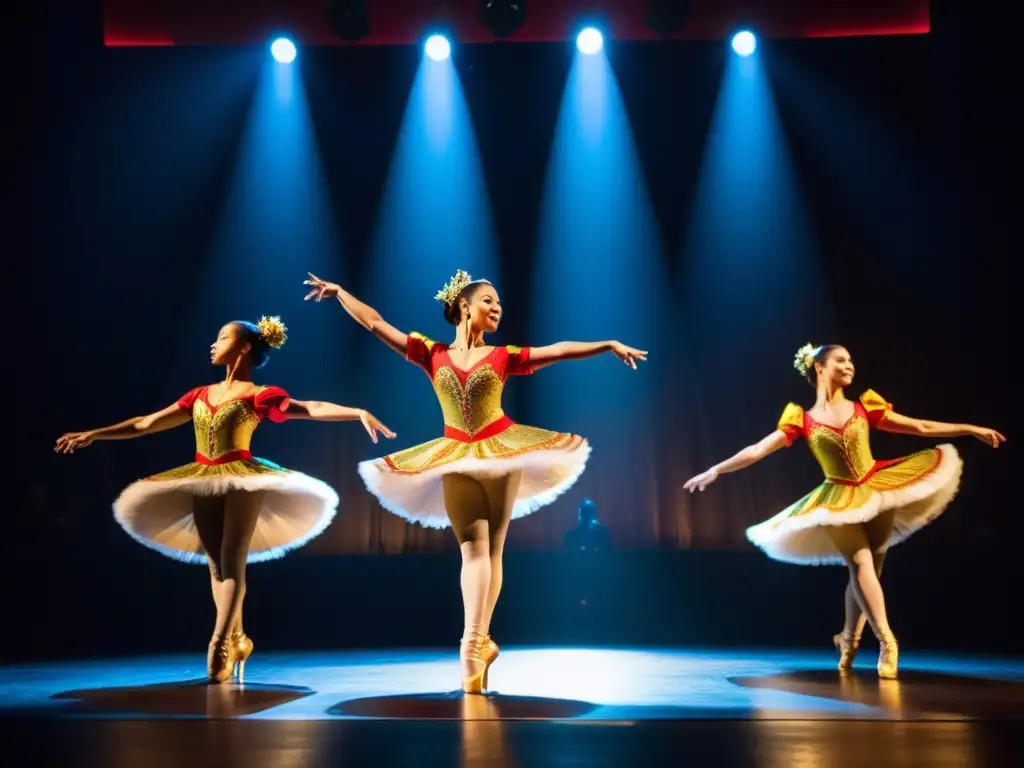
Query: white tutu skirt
[
  {"x": 293, "y": 508},
  {"x": 409, "y": 483},
  {"x": 917, "y": 489}
]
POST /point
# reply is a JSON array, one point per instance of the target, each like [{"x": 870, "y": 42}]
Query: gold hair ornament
[
  {"x": 450, "y": 293},
  {"x": 272, "y": 331},
  {"x": 804, "y": 359}
]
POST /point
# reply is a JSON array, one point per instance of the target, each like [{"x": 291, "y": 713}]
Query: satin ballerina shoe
[
  {"x": 474, "y": 650},
  {"x": 888, "y": 655},
  {"x": 847, "y": 643},
  {"x": 243, "y": 650},
  {"x": 220, "y": 659},
  {"x": 490, "y": 653}
]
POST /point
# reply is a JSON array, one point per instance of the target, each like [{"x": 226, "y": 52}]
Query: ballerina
[
  {"x": 486, "y": 470},
  {"x": 864, "y": 506},
  {"x": 228, "y": 507}
]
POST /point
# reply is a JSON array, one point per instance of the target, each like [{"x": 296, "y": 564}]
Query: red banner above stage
[{"x": 403, "y": 22}]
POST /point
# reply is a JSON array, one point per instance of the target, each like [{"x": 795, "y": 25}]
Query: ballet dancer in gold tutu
[
  {"x": 227, "y": 507},
  {"x": 865, "y": 505},
  {"x": 486, "y": 470}
]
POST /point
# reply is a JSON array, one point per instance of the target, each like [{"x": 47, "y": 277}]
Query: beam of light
[
  {"x": 434, "y": 218},
  {"x": 283, "y": 50},
  {"x": 276, "y": 223},
  {"x": 590, "y": 41},
  {"x": 438, "y": 47},
  {"x": 744, "y": 43},
  {"x": 752, "y": 278},
  {"x": 599, "y": 274}
]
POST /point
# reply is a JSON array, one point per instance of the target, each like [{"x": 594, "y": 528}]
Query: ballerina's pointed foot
[
  {"x": 490, "y": 653},
  {"x": 476, "y": 658},
  {"x": 888, "y": 655},
  {"x": 221, "y": 658},
  {"x": 243, "y": 650},
  {"x": 847, "y": 644}
]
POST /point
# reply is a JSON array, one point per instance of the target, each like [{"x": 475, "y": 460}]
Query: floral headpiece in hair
[
  {"x": 454, "y": 287},
  {"x": 272, "y": 331},
  {"x": 804, "y": 359}
]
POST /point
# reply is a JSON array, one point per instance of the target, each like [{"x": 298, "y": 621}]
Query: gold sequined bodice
[
  {"x": 842, "y": 454},
  {"x": 224, "y": 429},
  {"x": 470, "y": 407}
]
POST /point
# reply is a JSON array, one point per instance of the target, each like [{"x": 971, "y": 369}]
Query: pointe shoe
[
  {"x": 220, "y": 659},
  {"x": 847, "y": 643},
  {"x": 888, "y": 655},
  {"x": 490, "y": 653},
  {"x": 243, "y": 650},
  {"x": 474, "y": 649}
]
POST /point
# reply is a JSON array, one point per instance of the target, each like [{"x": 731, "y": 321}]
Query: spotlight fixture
[
  {"x": 665, "y": 17},
  {"x": 744, "y": 43},
  {"x": 348, "y": 19},
  {"x": 438, "y": 47},
  {"x": 589, "y": 41},
  {"x": 503, "y": 17},
  {"x": 283, "y": 50}
]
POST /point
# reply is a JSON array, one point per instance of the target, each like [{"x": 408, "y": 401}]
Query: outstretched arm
[
  {"x": 580, "y": 350},
  {"x": 905, "y": 425},
  {"x": 365, "y": 315},
  {"x": 170, "y": 417},
  {"x": 317, "y": 410},
  {"x": 741, "y": 460}
]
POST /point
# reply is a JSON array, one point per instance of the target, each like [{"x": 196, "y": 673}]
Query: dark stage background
[{"x": 899, "y": 252}]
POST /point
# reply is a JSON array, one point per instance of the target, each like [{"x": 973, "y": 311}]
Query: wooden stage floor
[{"x": 549, "y": 706}]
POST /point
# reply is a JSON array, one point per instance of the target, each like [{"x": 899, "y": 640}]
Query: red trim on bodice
[
  {"x": 224, "y": 459},
  {"x": 494, "y": 428},
  {"x": 465, "y": 373},
  {"x": 858, "y": 410},
  {"x": 879, "y": 464},
  {"x": 235, "y": 456}
]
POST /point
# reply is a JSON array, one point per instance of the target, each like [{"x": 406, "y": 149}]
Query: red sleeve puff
[
  {"x": 186, "y": 401},
  {"x": 271, "y": 403},
  {"x": 418, "y": 351},
  {"x": 875, "y": 406},
  {"x": 791, "y": 423},
  {"x": 518, "y": 362}
]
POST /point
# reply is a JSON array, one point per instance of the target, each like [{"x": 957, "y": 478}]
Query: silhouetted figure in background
[
  {"x": 589, "y": 535},
  {"x": 587, "y": 548}
]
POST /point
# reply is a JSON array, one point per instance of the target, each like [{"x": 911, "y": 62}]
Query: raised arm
[
  {"x": 580, "y": 350},
  {"x": 170, "y": 417},
  {"x": 882, "y": 416},
  {"x": 365, "y": 315},
  {"x": 905, "y": 425},
  {"x": 317, "y": 410},
  {"x": 740, "y": 460}
]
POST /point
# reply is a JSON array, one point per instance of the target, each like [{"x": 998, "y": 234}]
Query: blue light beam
[
  {"x": 434, "y": 218},
  {"x": 599, "y": 274},
  {"x": 277, "y": 222},
  {"x": 751, "y": 280},
  {"x": 749, "y": 242}
]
